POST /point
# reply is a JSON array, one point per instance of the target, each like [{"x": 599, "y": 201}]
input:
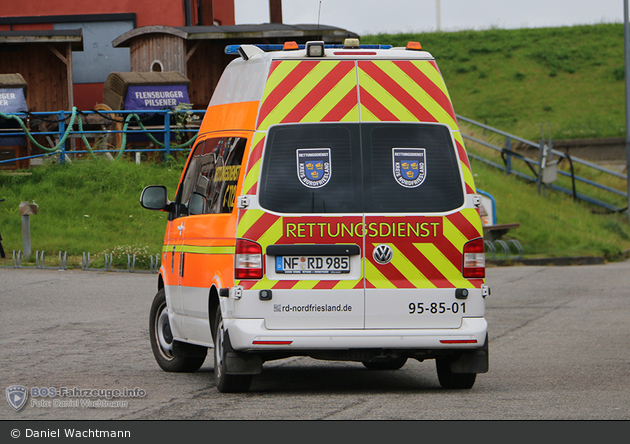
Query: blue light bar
[{"x": 233, "y": 49}]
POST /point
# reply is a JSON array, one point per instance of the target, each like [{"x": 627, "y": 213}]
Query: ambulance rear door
[
  {"x": 416, "y": 177},
  {"x": 310, "y": 225},
  {"x": 413, "y": 251}
]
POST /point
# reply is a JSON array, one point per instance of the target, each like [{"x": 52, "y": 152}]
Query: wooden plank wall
[
  {"x": 44, "y": 72},
  {"x": 205, "y": 67},
  {"x": 168, "y": 49}
]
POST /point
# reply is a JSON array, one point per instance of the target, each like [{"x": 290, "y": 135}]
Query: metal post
[
  {"x": 626, "y": 47},
  {"x": 26, "y": 236},
  {"x": 167, "y": 136},
  {"x": 438, "y": 17},
  {"x": 508, "y": 155},
  {"x": 62, "y": 129},
  {"x": 26, "y": 210},
  {"x": 541, "y": 159}
]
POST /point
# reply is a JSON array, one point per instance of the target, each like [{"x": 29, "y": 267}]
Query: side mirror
[
  {"x": 197, "y": 204},
  {"x": 154, "y": 197}
]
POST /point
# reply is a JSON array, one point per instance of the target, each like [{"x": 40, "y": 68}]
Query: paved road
[{"x": 559, "y": 349}]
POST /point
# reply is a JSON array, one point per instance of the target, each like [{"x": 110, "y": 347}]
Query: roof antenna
[{"x": 319, "y": 13}]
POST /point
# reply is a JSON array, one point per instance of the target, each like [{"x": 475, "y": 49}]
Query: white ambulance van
[{"x": 327, "y": 209}]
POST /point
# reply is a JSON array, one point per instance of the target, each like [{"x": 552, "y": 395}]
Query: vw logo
[{"x": 383, "y": 254}]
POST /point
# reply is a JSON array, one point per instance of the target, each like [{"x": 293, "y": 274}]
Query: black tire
[
  {"x": 450, "y": 380},
  {"x": 226, "y": 383},
  {"x": 388, "y": 364},
  {"x": 162, "y": 340}
]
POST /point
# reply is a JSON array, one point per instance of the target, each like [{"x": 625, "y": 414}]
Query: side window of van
[
  {"x": 183, "y": 195},
  {"x": 221, "y": 175},
  {"x": 213, "y": 174}
]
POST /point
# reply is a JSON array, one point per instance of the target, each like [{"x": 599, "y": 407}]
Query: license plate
[{"x": 312, "y": 264}]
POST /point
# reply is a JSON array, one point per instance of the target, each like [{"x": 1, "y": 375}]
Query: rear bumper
[{"x": 251, "y": 335}]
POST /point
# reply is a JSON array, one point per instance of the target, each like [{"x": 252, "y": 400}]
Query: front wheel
[
  {"x": 450, "y": 380},
  {"x": 162, "y": 340},
  {"x": 226, "y": 383}
]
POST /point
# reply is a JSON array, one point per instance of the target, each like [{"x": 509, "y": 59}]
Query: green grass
[
  {"x": 564, "y": 181},
  {"x": 517, "y": 79},
  {"x": 92, "y": 206},
  {"x": 552, "y": 224},
  {"x": 89, "y": 206}
]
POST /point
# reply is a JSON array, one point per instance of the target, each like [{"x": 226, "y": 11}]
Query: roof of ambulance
[
  {"x": 349, "y": 54},
  {"x": 244, "y": 78}
]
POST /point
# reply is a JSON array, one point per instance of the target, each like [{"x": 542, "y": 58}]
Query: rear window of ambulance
[
  {"x": 410, "y": 168},
  {"x": 357, "y": 168},
  {"x": 312, "y": 168}
]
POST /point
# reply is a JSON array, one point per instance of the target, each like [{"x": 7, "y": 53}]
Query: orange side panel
[
  {"x": 202, "y": 270},
  {"x": 230, "y": 116}
]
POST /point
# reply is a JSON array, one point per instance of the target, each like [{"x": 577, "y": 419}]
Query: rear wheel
[
  {"x": 450, "y": 380},
  {"x": 226, "y": 383},
  {"x": 394, "y": 363},
  {"x": 162, "y": 341}
]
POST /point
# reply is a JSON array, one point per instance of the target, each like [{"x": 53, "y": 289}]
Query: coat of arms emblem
[
  {"x": 410, "y": 166},
  {"x": 314, "y": 166}
]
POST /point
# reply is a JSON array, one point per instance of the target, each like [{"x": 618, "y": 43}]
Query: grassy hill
[
  {"x": 93, "y": 206},
  {"x": 571, "y": 77}
]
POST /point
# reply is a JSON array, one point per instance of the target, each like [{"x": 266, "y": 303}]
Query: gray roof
[
  {"x": 73, "y": 36},
  {"x": 263, "y": 31}
]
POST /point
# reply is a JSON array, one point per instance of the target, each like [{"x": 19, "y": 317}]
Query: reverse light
[
  {"x": 474, "y": 259},
  {"x": 315, "y": 49},
  {"x": 248, "y": 260}
]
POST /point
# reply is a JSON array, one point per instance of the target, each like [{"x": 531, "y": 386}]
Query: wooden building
[
  {"x": 198, "y": 52},
  {"x": 13, "y": 94},
  {"x": 101, "y": 23},
  {"x": 44, "y": 59}
]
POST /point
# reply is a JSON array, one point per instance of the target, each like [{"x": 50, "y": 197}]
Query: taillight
[
  {"x": 474, "y": 259},
  {"x": 248, "y": 260}
]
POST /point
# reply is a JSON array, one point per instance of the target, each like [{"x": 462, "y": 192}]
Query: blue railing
[
  {"x": 168, "y": 130},
  {"x": 536, "y": 166}
]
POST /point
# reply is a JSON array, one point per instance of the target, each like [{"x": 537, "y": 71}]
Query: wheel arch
[
  {"x": 213, "y": 306},
  {"x": 160, "y": 284}
]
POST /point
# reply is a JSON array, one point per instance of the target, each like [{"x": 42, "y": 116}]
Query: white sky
[{"x": 391, "y": 16}]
